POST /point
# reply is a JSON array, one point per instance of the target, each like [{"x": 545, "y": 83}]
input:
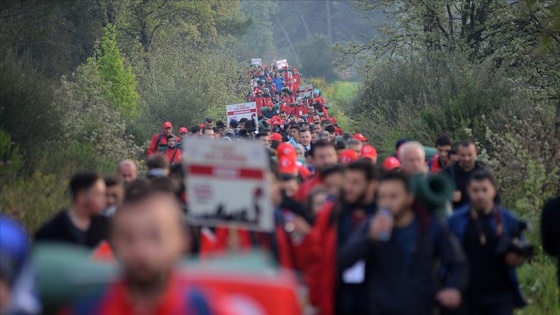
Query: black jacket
[
  {"x": 59, "y": 229},
  {"x": 460, "y": 177},
  {"x": 550, "y": 230},
  {"x": 398, "y": 287}
]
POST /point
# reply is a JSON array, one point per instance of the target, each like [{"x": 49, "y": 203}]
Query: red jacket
[
  {"x": 155, "y": 145},
  {"x": 260, "y": 104},
  {"x": 173, "y": 155},
  {"x": 317, "y": 255},
  {"x": 299, "y": 110},
  {"x": 434, "y": 165},
  {"x": 306, "y": 187}
]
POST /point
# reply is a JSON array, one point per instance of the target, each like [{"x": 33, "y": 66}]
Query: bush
[
  {"x": 10, "y": 158},
  {"x": 317, "y": 58},
  {"x": 33, "y": 200}
]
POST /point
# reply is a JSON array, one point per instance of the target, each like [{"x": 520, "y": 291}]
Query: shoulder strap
[
  {"x": 173, "y": 156},
  {"x": 160, "y": 135},
  {"x": 197, "y": 303}
]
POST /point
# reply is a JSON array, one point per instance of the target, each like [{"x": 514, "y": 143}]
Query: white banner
[
  {"x": 243, "y": 110},
  {"x": 281, "y": 64},
  {"x": 227, "y": 184},
  {"x": 256, "y": 62},
  {"x": 306, "y": 90}
]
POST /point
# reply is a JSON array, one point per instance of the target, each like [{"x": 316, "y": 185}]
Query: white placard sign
[
  {"x": 256, "y": 62},
  {"x": 243, "y": 110},
  {"x": 227, "y": 184},
  {"x": 306, "y": 90},
  {"x": 282, "y": 63}
]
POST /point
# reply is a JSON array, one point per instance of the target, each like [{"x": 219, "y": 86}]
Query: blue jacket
[{"x": 458, "y": 223}]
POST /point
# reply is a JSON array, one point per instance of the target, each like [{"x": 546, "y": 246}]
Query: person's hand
[
  {"x": 449, "y": 298},
  {"x": 514, "y": 259},
  {"x": 379, "y": 225},
  {"x": 299, "y": 226},
  {"x": 457, "y": 196}
]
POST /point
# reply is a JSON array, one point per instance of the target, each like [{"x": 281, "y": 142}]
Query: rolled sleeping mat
[
  {"x": 435, "y": 190},
  {"x": 430, "y": 152}
]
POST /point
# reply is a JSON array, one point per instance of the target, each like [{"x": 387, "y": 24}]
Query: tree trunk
[
  {"x": 301, "y": 17},
  {"x": 329, "y": 26},
  {"x": 288, "y": 39},
  {"x": 557, "y": 122}
]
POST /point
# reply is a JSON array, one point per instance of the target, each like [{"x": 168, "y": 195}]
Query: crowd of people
[{"x": 349, "y": 225}]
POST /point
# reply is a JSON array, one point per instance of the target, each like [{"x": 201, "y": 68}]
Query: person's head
[
  {"x": 317, "y": 199},
  {"x": 147, "y": 233},
  {"x": 360, "y": 183},
  {"x": 311, "y": 110},
  {"x": 88, "y": 192},
  {"x": 317, "y": 127},
  {"x": 332, "y": 132},
  {"x": 283, "y": 115},
  {"x": 166, "y": 128},
  {"x": 171, "y": 141},
  {"x": 208, "y": 123},
  {"x": 340, "y": 146},
  {"x": 305, "y": 137},
  {"x": 317, "y": 119},
  {"x": 398, "y": 145},
  {"x": 467, "y": 155},
  {"x": 333, "y": 178},
  {"x": 482, "y": 188},
  {"x": 158, "y": 166},
  {"x": 413, "y": 158},
  {"x": 369, "y": 153},
  {"x": 443, "y": 146},
  {"x": 394, "y": 194},
  {"x": 453, "y": 155},
  {"x": 233, "y": 124},
  {"x": 300, "y": 150},
  {"x": 294, "y": 132},
  {"x": 128, "y": 171},
  {"x": 115, "y": 190},
  {"x": 183, "y": 131},
  {"x": 355, "y": 145},
  {"x": 323, "y": 154},
  {"x": 289, "y": 185},
  {"x": 264, "y": 136},
  {"x": 195, "y": 130},
  {"x": 208, "y": 133},
  {"x": 242, "y": 122}
]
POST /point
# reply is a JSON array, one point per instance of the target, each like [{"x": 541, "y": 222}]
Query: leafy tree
[
  {"x": 120, "y": 81},
  {"x": 259, "y": 40},
  {"x": 316, "y": 57}
]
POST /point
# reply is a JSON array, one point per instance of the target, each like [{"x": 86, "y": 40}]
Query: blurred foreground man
[
  {"x": 148, "y": 237},
  {"x": 397, "y": 253},
  {"x": 550, "y": 231},
  {"x": 128, "y": 171},
  {"x": 413, "y": 158},
  {"x": 82, "y": 224}
]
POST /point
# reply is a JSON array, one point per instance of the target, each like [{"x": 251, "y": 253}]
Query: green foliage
[
  {"x": 316, "y": 58},
  {"x": 259, "y": 40},
  {"x": 10, "y": 157},
  {"x": 206, "y": 83},
  {"x": 120, "y": 81},
  {"x": 33, "y": 200}
]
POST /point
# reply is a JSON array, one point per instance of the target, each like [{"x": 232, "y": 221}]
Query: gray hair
[{"x": 405, "y": 148}]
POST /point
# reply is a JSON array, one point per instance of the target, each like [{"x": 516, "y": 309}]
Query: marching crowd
[{"x": 352, "y": 227}]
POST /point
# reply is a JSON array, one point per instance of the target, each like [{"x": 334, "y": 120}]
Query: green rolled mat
[
  {"x": 435, "y": 190},
  {"x": 430, "y": 152},
  {"x": 67, "y": 272}
]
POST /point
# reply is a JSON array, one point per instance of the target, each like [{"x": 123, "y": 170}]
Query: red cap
[
  {"x": 167, "y": 124},
  {"x": 360, "y": 137},
  {"x": 369, "y": 152},
  {"x": 183, "y": 130},
  {"x": 275, "y": 136},
  {"x": 286, "y": 149},
  {"x": 348, "y": 156},
  {"x": 391, "y": 163},
  {"x": 202, "y": 126},
  {"x": 287, "y": 165}
]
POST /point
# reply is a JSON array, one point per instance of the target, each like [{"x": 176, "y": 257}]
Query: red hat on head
[
  {"x": 360, "y": 137},
  {"x": 286, "y": 149},
  {"x": 183, "y": 130},
  {"x": 167, "y": 124},
  {"x": 391, "y": 163},
  {"x": 287, "y": 165},
  {"x": 202, "y": 126},
  {"x": 348, "y": 156},
  {"x": 369, "y": 152},
  {"x": 275, "y": 136}
]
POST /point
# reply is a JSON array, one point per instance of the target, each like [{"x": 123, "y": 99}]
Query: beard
[{"x": 147, "y": 280}]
